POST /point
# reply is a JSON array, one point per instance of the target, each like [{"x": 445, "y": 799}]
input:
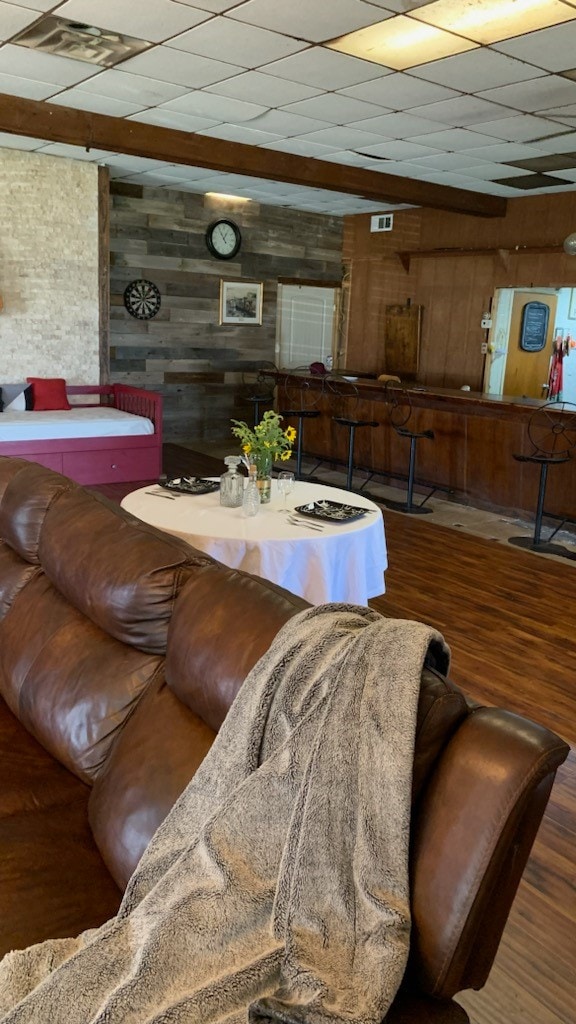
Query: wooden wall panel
[
  {"x": 196, "y": 363},
  {"x": 453, "y": 290}
]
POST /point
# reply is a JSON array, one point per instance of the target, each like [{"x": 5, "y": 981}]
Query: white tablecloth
[{"x": 346, "y": 562}]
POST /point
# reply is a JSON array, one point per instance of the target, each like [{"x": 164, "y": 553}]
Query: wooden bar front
[{"x": 471, "y": 455}]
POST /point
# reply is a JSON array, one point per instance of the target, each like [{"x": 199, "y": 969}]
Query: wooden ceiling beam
[{"x": 42, "y": 120}]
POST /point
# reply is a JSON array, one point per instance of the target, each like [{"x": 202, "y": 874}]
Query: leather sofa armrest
[{"x": 472, "y": 836}]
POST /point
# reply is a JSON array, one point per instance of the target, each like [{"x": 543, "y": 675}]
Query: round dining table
[{"x": 321, "y": 561}]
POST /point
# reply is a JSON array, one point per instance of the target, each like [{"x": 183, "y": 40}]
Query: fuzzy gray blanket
[{"x": 276, "y": 889}]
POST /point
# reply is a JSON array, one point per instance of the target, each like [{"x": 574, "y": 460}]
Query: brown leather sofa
[{"x": 121, "y": 649}]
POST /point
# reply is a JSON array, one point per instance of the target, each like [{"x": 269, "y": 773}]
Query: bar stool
[
  {"x": 552, "y": 433},
  {"x": 258, "y": 388},
  {"x": 300, "y": 415},
  {"x": 258, "y": 400},
  {"x": 400, "y": 411},
  {"x": 535, "y": 543},
  {"x": 352, "y": 426}
]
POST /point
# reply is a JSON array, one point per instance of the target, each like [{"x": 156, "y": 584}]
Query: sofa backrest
[{"x": 87, "y": 598}]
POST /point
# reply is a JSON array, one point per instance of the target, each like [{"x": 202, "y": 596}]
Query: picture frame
[
  {"x": 572, "y": 305},
  {"x": 241, "y": 302}
]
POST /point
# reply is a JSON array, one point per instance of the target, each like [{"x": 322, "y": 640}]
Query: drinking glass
[{"x": 285, "y": 485}]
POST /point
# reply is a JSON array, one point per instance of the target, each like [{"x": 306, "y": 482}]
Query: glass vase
[{"x": 263, "y": 462}]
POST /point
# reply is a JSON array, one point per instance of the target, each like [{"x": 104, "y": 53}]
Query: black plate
[
  {"x": 331, "y": 511},
  {"x": 190, "y": 485}
]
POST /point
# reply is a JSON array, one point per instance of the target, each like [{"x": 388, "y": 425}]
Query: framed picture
[
  {"x": 572, "y": 305},
  {"x": 240, "y": 302}
]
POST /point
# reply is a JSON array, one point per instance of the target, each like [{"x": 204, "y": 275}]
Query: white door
[{"x": 307, "y": 318}]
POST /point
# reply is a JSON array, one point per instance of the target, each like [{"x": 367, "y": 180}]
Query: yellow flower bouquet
[{"x": 266, "y": 440}]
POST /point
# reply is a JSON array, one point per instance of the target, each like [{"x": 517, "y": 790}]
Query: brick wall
[{"x": 48, "y": 268}]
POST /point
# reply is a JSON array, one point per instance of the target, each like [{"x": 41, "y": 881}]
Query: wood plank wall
[
  {"x": 454, "y": 291},
  {"x": 197, "y": 365}
]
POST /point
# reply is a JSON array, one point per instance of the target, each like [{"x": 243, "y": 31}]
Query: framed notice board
[{"x": 534, "y": 326}]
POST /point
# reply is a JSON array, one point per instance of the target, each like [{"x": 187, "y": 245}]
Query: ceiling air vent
[
  {"x": 382, "y": 222},
  {"x": 78, "y": 41}
]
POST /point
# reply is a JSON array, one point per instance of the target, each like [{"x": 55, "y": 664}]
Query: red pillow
[{"x": 48, "y": 393}]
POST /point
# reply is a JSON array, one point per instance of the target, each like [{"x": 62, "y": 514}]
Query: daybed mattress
[{"x": 69, "y": 424}]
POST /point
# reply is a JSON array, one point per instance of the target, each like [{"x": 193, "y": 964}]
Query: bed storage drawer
[{"x": 104, "y": 467}]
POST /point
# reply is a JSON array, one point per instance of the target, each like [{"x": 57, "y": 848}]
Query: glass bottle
[
  {"x": 231, "y": 483},
  {"x": 251, "y": 499}
]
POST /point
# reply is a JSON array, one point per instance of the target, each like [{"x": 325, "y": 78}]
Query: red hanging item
[{"x": 555, "y": 375}]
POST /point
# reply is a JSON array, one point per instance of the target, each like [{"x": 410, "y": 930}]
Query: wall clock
[
  {"x": 223, "y": 239},
  {"x": 142, "y": 299}
]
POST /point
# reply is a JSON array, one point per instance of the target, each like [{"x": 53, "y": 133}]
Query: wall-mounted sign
[{"x": 534, "y": 326}]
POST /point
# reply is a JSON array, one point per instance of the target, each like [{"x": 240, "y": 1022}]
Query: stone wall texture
[{"x": 48, "y": 268}]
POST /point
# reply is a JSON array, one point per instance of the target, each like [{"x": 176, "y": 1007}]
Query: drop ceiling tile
[
  {"x": 344, "y": 138},
  {"x": 549, "y": 163},
  {"x": 35, "y": 5},
  {"x": 521, "y": 128},
  {"x": 400, "y": 169},
  {"x": 395, "y": 126},
  {"x": 565, "y": 142},
  {"x": 281, "y": 123},
  {"x": 134, "y": 164},
  {"x": 531, "y": 181},
  {"x": 60, "y": 149},
  {"x": 80, "y": 100},
  {"x": 301, "y": 147},
  {"x": 121, "y": 85},
  {"x": 552, "y": 48},
  {"x": 492, "y": 188},
  {"x": 454, "y": 139},
  {"x": 151, "y": 180},
  {"x": 397, "y": 149},
  {"x": 564, "y": 116},
  {"x": 462, "y": 111},
  {"x": 324, "y": 68},
  {"x": 214, "y": 6},
  {"x": 238, "y": 133},
  {"x": 154, "y": 20},
  {"x": 223, "y": 39},
  {"x": 8, "y": 141},
  {"x": 347, "y": 157},
  {"x": 169, "y": 65},
  {"x": 172, "y": 119},
  {"x": 492, "y": 171},
  {"x": 568, "y": 174},
  {"x": 450, "y": 178},
  {"x": 315, "y": 22},
  {"x": 12, "y": 86},
  {"x": 183, "y": 172},
  {"x": 538, "y": 94},
  {"x": 43, "y": 67},
  {"x": 335, "y": 107},
  {"x": 399, "y": 91},
  {"x": 445, "y": 162},
  {"x": 476, "y": 70},
  {"x": 221, "y": 108},
  {"x": 504, "y": 152},
  {"x": 14, "y": 19},
  {"x": 253, "y": 85}
]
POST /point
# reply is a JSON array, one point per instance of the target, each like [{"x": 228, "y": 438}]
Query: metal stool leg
[
  {"x": 411, "y": 469},
  {"x": 299, "y": 449},
  {"x": 540, "y": 505}
]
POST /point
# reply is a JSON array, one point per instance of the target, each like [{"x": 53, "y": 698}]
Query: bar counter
[{"x": 471, "y": 455}]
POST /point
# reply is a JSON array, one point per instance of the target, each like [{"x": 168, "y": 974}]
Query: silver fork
[{"x": 294, "y": 521}]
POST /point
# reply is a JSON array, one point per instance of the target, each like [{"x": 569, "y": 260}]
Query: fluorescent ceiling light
[
  {"x": 402, "y": 43},
  {"x": 489, "y": 21}
]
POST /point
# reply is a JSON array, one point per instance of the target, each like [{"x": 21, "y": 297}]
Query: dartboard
[{"x": 142, "y": 299}]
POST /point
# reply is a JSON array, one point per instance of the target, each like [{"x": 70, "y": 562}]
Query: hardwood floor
[{"x": 507, "y": 615}]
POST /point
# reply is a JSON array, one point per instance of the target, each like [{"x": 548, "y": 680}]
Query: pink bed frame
[{"x": 102, "y": 460}]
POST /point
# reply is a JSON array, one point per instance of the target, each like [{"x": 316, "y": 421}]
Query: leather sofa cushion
[
  {"x": 70, "y": 684},
  {"x": 123, "y": 575},
  {"x": 14, "y": 574},
  {"x": 213, "y": 642},
  {"x": 161, "y": 746},
  {"x": 25, "y": 499}
]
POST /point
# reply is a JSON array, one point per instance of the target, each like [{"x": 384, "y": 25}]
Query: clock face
[
  {"x": 223, "y": 239},
  {"x": 142, "y": 299}
]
